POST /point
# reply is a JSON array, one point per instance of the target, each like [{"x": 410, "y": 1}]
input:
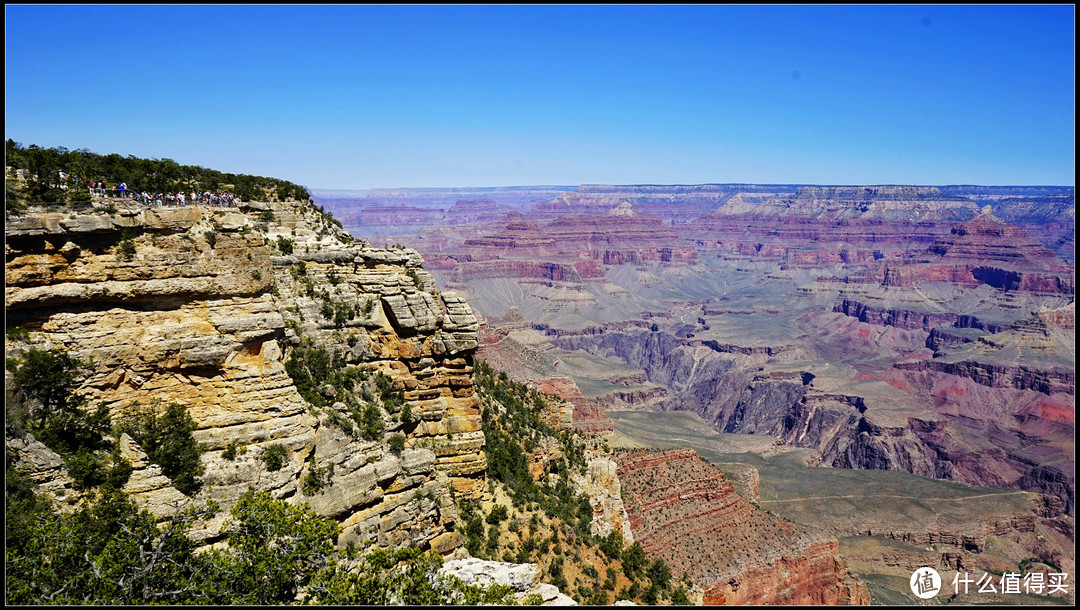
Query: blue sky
[{"x": 392, "y": 96}]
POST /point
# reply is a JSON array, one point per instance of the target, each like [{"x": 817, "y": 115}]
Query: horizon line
[{"x": 674, "y": 184}]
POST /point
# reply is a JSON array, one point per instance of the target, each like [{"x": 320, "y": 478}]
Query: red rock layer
[
  {"x": 588, "y": 418},
  {"x": 686, "y": 511}
]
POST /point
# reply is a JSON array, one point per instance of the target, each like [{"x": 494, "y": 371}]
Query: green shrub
[
  {"x": 18, "y": 333},
  {"x": 284, "y": 244},
  {"x": 498, "y": 514},
  {"x": 370, "y": 422},
  {"x": 651, "y": 595},
  {"x": 125, "y": 249},
  {"x": 492, "y": 539},
  {"x": 13, "y": 197},
  {"x": 344, "y": 423},
  {"x": 634, "y": 561},
  {"x": 612, "y": 544},
  {"x": 78, "y": 197},
  {"x": 49, "y": 376},
  {"x": 610, "y": 578},
  {"x": 86, "y": 468},
  {"x": 232, "y": 450},
  {"x": 165, "y": 433},
  {"x": 396, "y": 443},
  {"x": 316, "y": 478},
  {"x": 274, "y": 457},
  {"x": 343, "y": 312},
  {"x": 59, "y": 419},
  {"x": 659, "y": 574}
]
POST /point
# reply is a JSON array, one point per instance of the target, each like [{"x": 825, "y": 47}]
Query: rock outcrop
[
  {"x": 601, "y": 484},
  {"x": 523, "y": 578},
  {"x": 686, "y": 511}
]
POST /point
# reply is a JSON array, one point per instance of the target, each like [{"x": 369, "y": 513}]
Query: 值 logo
[{"x": 925, "y": 582}]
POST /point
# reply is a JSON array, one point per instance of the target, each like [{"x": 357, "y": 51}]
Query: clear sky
[{"x": 392, "y": 96}]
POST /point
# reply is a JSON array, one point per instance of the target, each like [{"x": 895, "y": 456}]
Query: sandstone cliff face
[
  {"x": 196, "y": 306},
  {"x": 687, "y": 511}
]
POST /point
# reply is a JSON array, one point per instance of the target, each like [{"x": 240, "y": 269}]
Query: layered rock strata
[
  {"x": 196, "y": 306},
  {"x": 686, "y": 511}
]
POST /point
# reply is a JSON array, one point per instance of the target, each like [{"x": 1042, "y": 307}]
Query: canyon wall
[{"x": 199, "y": 306}]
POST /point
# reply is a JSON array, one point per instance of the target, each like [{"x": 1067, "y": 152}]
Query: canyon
[
  {"x": 210, "y": 308},
  {"x": 914, "y": 329},
  {"x": 838, "y": 337}
]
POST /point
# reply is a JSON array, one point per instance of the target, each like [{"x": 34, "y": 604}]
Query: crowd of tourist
[
  {"x": 215, "y": 198},
  {"x": 121, "y": 191}
]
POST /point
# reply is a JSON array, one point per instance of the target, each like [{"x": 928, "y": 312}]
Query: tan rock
[{"x": 210, "y": 328}]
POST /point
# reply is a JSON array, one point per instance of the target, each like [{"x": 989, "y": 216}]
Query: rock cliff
[{"x": 203, "y": 307}]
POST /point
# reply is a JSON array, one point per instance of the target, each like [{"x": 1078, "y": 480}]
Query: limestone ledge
[
  {"x": 65, "y": 223},
  {"x": 92, "y": 270},
  {"x": 44, "y": 467}
]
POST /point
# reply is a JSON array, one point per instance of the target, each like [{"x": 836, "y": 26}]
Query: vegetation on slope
[
  {"x": 546, "y": 521},
  {"x": 355, "y": 400},
  {"x": 43, "y": 402},
  {"x": 110, "y": 552}
]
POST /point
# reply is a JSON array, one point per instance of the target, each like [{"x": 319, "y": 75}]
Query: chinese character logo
[{"x": 925, "y": 583}]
